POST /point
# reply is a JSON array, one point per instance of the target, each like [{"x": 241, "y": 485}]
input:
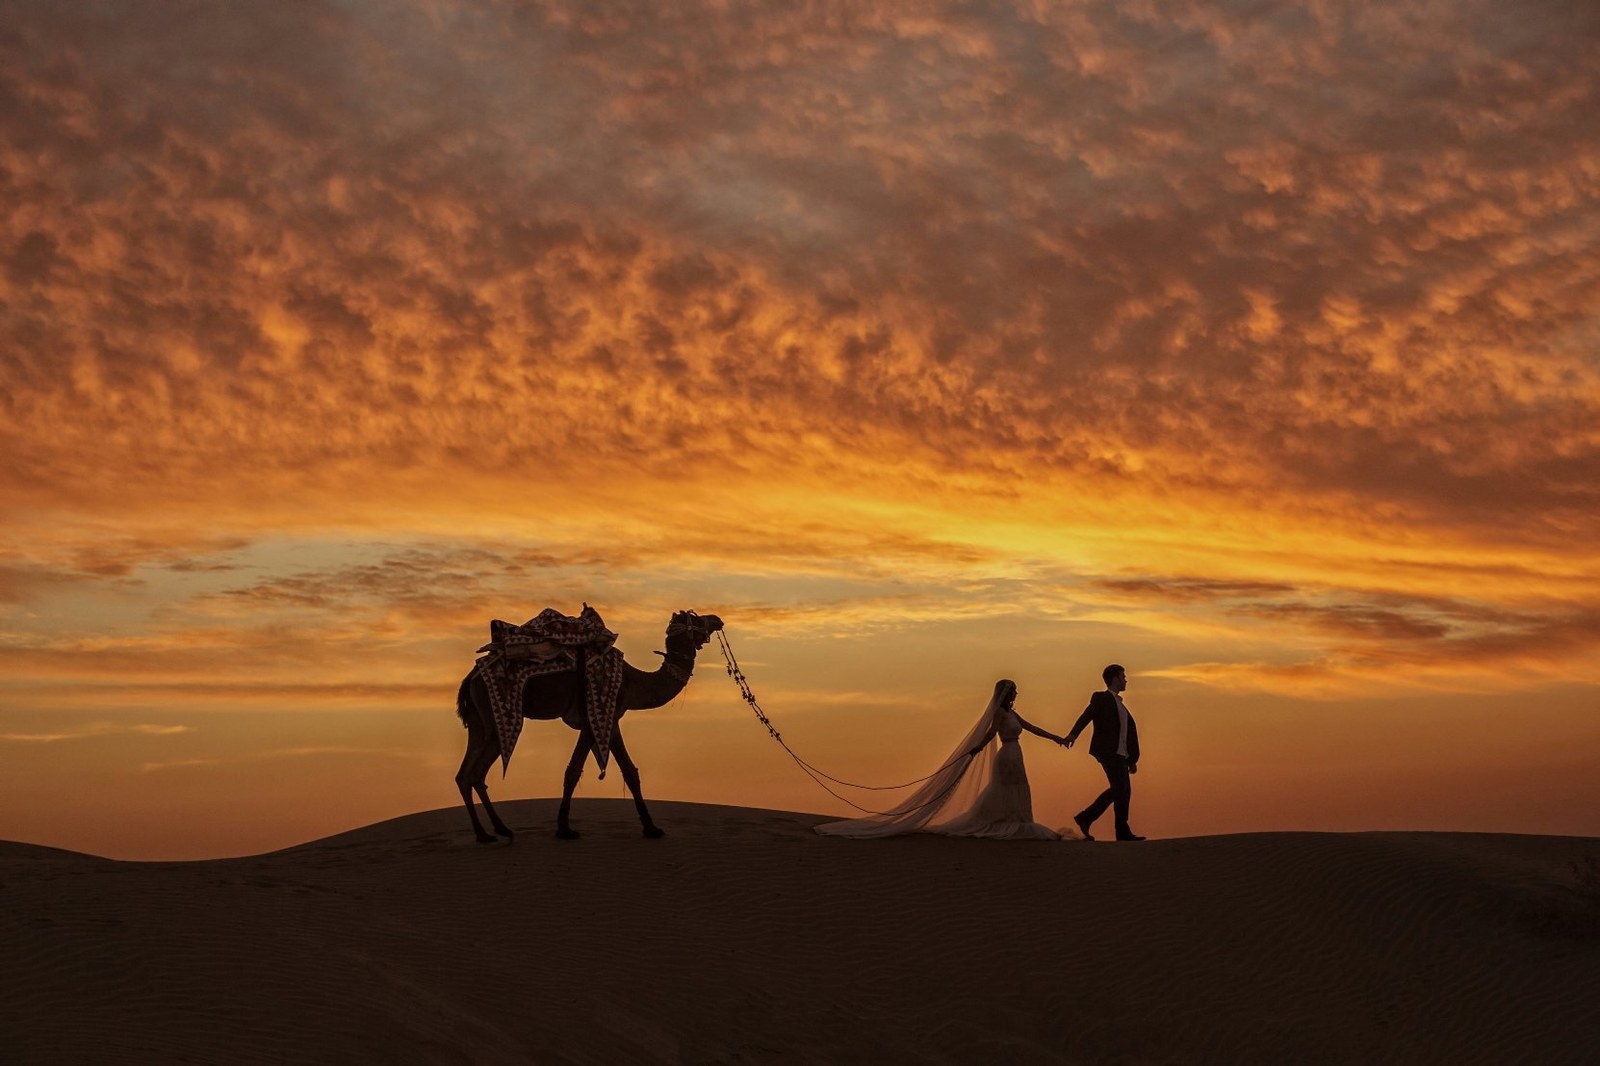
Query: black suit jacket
[{"x": 1102, "y": 712}]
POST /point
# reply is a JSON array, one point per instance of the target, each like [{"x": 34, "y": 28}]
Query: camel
[{"x": 561, "y": 695}]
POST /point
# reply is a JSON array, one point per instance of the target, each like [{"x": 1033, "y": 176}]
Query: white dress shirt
[{"x": 1122, "y": 719}]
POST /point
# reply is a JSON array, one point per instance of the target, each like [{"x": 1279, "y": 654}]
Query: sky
[{"x": 1252, "y": 345}]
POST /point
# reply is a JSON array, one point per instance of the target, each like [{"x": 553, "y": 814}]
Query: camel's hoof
[
  {"x": 567, "y": 834},
  {"x": 651, "y": 832},
  {"x": 508, "y": 834}
]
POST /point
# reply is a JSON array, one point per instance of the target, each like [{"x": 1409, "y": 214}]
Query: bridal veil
[{"x": 948, "y": 794}]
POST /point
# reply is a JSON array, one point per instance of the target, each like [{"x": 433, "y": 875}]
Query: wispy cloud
[
  {"x": 278, "y": 754},
  {"x": 94, "y": 729},
  {"x": 1358, "y": 637}
]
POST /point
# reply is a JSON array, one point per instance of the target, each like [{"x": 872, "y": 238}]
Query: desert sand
[{"x": 745, "y": 937}]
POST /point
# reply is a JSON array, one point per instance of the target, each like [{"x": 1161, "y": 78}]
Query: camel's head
[{"x": 689, "y": 630}]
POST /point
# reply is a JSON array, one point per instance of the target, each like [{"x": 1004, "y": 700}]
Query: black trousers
[{"x": 1119, "y": 792}]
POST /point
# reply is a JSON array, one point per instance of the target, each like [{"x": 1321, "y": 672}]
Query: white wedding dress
[{"x": 986, "y": 795}]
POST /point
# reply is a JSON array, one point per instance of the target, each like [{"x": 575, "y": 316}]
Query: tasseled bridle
[{"x": 689, "y": 622}]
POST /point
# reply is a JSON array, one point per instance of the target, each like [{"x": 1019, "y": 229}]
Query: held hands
[{"x": 1066, "y": 742}]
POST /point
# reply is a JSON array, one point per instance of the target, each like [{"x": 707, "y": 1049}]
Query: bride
[{"x": 981, "y": 791}]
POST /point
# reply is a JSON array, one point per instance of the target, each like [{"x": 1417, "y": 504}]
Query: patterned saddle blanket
[{"x": 552, "y": 643}]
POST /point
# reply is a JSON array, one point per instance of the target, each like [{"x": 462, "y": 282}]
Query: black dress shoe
[
  {"x": 1129, "y": 836},
  {"x": 1083, "y": 826}
]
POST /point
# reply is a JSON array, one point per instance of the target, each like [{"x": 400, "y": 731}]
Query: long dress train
[{"x": 983, "y": 795}]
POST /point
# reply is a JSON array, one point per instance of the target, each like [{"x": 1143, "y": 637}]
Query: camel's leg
[
  {"x": 630, "y": 774},
  {"x": 469, "y": 775},
  {"x": 580, "y": 755},
  {"x": 480, "y": 782}
]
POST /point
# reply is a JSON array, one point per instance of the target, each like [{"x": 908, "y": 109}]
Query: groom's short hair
[{"x": 1111, "y": 671}]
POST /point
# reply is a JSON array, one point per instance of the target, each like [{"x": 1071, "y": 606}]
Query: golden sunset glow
[{"x": 1256, "y": 347}]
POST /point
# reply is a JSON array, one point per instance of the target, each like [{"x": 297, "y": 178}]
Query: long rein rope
[{"x": 817, "y": 775}]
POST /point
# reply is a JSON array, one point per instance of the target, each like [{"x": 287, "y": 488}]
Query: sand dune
[{"x": 744, "y": 937}]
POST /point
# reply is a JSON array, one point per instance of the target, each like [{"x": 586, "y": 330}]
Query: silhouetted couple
[{"x": 982, "y": 789}]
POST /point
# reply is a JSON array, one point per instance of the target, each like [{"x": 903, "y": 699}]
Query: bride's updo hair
[{"x": 1005, "y": 690}]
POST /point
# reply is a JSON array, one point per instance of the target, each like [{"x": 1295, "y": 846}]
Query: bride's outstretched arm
[{"x": 1036, "y": 731}]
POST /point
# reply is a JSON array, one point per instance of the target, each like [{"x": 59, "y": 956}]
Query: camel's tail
[{"x": 464, "y": 699}]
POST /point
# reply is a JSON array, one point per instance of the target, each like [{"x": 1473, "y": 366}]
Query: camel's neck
[{"x": 662, "y": 685}]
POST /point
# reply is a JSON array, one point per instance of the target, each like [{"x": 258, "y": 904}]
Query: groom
[{"x": 1115, "y": 744}]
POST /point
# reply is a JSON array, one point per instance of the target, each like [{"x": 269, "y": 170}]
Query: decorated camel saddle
[{"x": 552, "y": 643}]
